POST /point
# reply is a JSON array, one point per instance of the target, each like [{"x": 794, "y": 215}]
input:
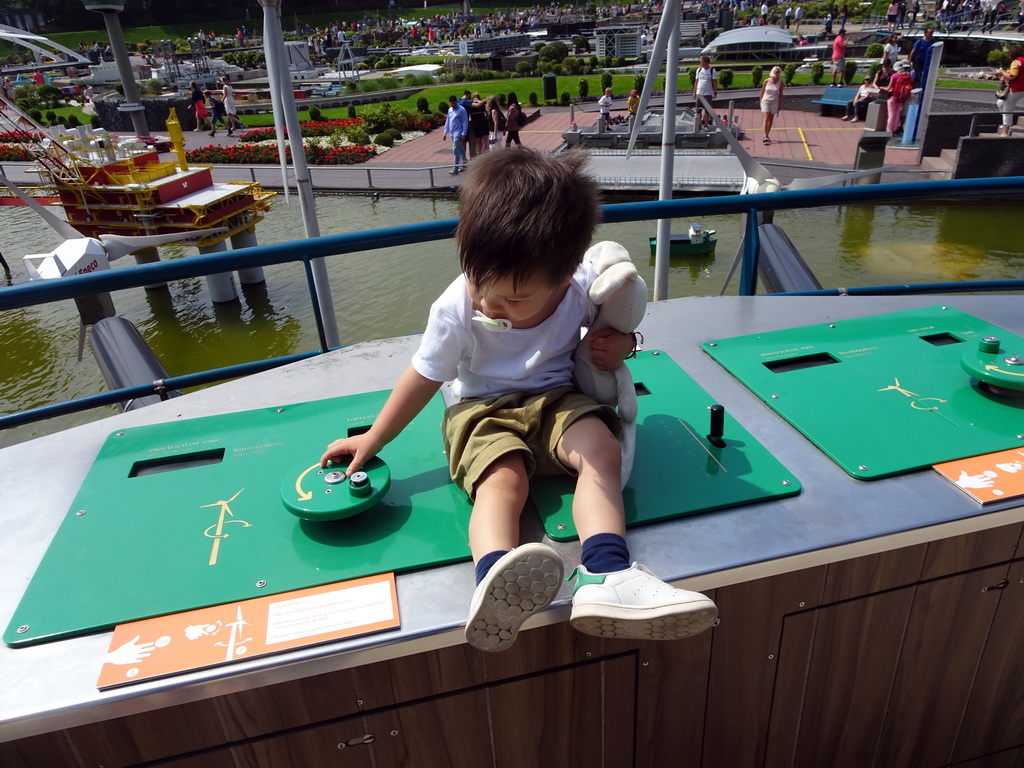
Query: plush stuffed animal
[{"x": 621, "y": 296}]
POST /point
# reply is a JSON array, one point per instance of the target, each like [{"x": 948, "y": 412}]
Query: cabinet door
[
  {"x": 949, "y": 626},
  {"x": 882, "y": 680},
  {"x": 561, "y": 718},
  {"x": 994, "y": 719}
]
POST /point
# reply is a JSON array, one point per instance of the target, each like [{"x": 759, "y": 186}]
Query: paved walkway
[{"x": 800, "y": 138}]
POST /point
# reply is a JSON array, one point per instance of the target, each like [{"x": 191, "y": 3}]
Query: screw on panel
[
  {"x": 561, "y": 526},
  {"x": 786, "y": 482},
  {"x": 831, "y": 325},
  {"x": 119, "y": 434},
  {"x": 862, "y": 467},
  {"x": 23, "y": 629},
  {"x": 712, "y": 343},
  {"x": 79, "y": 513},
  {"x": 261, "y": 584},
  {"x": 280, "y": 410},
  {"x": 655, "y": 353},
  {"x": 775, "y": 397},
  {"x": 359, "y": 702},
  {"x": 394, "y": 732}
]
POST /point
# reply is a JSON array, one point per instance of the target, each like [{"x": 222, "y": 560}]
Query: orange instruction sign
[
  {"x": 989, "y": 478},
  {"x": 206, "y": 637}
]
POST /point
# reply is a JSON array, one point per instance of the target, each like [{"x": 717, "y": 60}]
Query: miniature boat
[{"x": 694, "y": 243}]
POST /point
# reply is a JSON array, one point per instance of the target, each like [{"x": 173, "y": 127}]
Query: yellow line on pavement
[{"x": 803, "y": 140}]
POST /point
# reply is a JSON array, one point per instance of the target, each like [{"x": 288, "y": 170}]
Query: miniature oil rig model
[{"x": 120, "y": 186}]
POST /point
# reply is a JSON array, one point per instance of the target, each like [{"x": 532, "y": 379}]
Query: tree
[
  {"x": 581, "y": 44},
  {"x": 583, "y": 88},
  {"x": 756, "y": 75},
  {"x": 554, "y": 51}
]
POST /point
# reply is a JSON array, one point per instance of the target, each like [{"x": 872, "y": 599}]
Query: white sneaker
[
  {"x": 522, "y": 582},
  {"x": 635, "y": 603}
]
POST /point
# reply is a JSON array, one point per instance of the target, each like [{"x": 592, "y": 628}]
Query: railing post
[{"x": 751, "y": 244}]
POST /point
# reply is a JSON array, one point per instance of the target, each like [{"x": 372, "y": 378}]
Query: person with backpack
[
  {"x": 1011, "y": 76},
  {"x": 496, "y": 122},
  {"x": 705, "y": 83},
  {"x": 900, "y": 87},
  {"x": 515, "y": 120}
]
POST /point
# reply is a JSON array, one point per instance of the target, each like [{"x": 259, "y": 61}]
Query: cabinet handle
[{"x": 1001, "y": 585}]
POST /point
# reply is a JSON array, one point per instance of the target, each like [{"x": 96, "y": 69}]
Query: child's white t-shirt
[{"x": 487, "y": 363}]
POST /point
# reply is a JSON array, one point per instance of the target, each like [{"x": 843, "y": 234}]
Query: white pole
[
  {"x": 668, "y": 149},
  {"x": 274, "y": 65},
  {"x": 653, "y": 66},
  {"x": 273, "y": 34}
]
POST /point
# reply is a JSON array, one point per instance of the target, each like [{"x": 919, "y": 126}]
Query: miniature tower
[{"x": 132, "y": 105}]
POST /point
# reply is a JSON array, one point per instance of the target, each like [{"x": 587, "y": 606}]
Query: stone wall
[{"x": 156, "y": 108}]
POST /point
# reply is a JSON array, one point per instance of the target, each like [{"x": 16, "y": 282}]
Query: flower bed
[
  {"x": 14, "y": 153},
  {"x": 266, "y": 154}
]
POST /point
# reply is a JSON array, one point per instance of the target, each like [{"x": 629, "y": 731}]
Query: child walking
[{"x": 504, "y": 333}]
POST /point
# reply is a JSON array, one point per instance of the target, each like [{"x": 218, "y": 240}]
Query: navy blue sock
[
  {"x": 605, "y": 553},
  {"x": 485, "y": 563}
]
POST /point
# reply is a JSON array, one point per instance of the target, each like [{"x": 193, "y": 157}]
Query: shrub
[
  {"x": 874, "y": 51},
  {"x": 36, "y": 115},
  {"x": 999, "y": 59},
  {"x": 442, "y": 107},
  {"x": 531, "y": 99},
  {"x": 422, "y": 105},
  {"x": 351, "y": 111},
  {"x": 788, "y": 73},
  {"x": 51, "y": 117},
  {"x": 582, "y": 88},
  {"x": 620, "y": 61},
  {"x": 458, "y": 77},
  {"x": 606, "y": 80},
  {"x": 73, "y": 120},
  {"x": 566, "y": 98},
  {"x": 315, "y": 115},
  {"x": 94, "y": 121},
  {"x": 850, "y": 72},
  {"x": 817, "y": 72},
  {"x": 524, "y": 68},
  {"x": 355, "y": 134},
  {"x": 638, "y": 83},
  {"x": 580, "y": 43},
  {"x": 725, "y": 78},
  {"x": 394, "y": 133},
  {"x": 379, "y": 117},
  {"x": 384, "y": 140},
  {"x": 756, "y": 75}
]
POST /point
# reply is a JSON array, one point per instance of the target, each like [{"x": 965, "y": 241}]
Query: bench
[{"x": 835, "y": 98}]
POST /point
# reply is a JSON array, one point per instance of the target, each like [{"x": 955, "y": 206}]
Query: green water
[{"x": 386, "y": 293}]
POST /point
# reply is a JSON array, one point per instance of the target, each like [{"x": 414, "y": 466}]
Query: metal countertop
[{"x": 835, "y": 517}]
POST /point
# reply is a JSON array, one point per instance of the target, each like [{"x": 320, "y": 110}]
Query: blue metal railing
[{"x": 30, "y": 294}]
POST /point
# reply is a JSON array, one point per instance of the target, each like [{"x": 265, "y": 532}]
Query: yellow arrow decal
[
  {"x": 304, "y": 495},
  {"x": 1000, "y": 370}
]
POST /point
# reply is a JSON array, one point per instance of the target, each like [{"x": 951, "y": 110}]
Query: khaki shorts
[{"x": 477, "y": 432}]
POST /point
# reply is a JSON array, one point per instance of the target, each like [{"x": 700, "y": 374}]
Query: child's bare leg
[
  {"x": 513, "y": 582},
  {"x": 500, "y": 495},
  {"x": 613, "y": 598},
  {"x": 589, "y": 449}
]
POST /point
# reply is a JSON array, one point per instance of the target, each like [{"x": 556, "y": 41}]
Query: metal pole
[
  {"x": 132, "y": 104},
  {"x": 274, "y": 39},
  {"x": 275, "y": 63},
  {"x": 668, "y": 150},
  {"x": 653, "y": 65}
]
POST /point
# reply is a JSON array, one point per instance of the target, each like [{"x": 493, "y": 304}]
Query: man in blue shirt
[
  {"x": 919, "y": 55},
  {"x": 456, "y": 125}
]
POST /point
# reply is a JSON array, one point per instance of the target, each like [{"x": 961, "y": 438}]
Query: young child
[{"x": 504, "y": 332}]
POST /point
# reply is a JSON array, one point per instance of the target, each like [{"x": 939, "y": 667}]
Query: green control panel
[{"x": 889, "y": 393}]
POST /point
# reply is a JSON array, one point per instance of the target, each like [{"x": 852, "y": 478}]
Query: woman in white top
[
  {"x": 605, "y": 103},
  {"x": 891, "y": 52},
  {"x": 771, "y": 101},
  {"x": 227, "y": 95}
]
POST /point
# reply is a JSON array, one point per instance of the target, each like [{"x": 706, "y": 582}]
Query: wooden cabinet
[{"x": 911, "y": 657}]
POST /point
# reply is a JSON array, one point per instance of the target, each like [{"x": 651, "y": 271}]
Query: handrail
[{"x": 30, "y": 294}]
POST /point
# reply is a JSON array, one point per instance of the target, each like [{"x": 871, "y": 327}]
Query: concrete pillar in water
[
  {"x": 247, "y": 239},
  {"x": 149, "y": 256},
  {"x": 222, "y": 286}
]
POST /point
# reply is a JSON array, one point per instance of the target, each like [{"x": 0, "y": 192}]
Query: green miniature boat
[{"x": 684, "y": 245}]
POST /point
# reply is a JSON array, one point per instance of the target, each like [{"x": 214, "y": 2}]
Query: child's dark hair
[{"x": 526, "y": 215}]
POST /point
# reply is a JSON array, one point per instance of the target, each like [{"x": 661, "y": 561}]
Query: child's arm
[
  {"x": 408, "y": 398},
  {"x": 609, "y": 348}
]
